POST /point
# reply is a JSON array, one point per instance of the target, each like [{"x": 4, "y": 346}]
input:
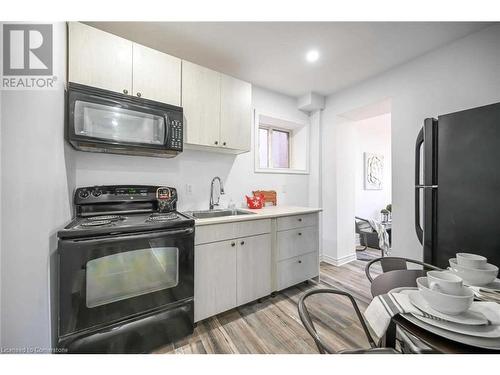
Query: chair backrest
[
  {"x": 392, "y": 264},
  {"x": 396, "y": 263},
  {"x": 362, "y": 225}
]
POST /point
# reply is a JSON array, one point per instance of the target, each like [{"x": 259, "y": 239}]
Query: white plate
[
  {"x": 491, "y": 331},
  {"x": 479, "y": 342},
  {"x": 494, "y": 286},
  {"x": 468, "y": 317}
]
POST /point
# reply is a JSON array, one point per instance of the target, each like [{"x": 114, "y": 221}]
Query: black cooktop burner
[
  {"x": 95, "y": 223},
  {"x": 162, "y": 217},
  {"x": 105, "y": 217}
]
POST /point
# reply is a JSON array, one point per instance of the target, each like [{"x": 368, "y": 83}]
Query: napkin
[{"x": 383, "y": 307}]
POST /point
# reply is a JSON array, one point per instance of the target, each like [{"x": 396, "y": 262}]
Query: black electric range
[{"x": 126, "y": 271}]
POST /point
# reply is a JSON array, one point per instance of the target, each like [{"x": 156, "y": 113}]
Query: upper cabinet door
[
  {"x": 156, "y": 75},
  {"x": 99, "y": 59},
  {"x": 201, "y": 104},
  {"x": 236, "y": 113}
]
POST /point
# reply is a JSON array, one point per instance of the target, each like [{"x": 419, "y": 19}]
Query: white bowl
[
  {"x": 446, "y": 303},
  {"x": 475, "y": 276},
  {"x": 445, "y": 282},
  {"x": 471, "y": 260}
]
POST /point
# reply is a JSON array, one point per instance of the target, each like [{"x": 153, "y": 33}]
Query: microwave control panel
[{"x": 176, "y": 136}]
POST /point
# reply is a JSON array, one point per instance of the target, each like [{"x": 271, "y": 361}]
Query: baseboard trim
[{"x": 340, "y": 261}]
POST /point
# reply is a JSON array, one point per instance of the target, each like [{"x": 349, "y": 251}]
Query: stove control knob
[
  {"x": 83, "y": 194},
  {"x": 96, "y": 193}
]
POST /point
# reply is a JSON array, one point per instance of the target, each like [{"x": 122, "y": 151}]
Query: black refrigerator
[{"x": 457, "y": 185}]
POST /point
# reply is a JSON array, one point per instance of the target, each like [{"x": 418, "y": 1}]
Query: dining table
[{"x": 390, "y": 280}]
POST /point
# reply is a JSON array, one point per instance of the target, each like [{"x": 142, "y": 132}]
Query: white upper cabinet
[
  {"x": 99, "y": 59},
  {"x": 217, "y": 108},
  {"x": 201, "y": 104},
  {"x": 106, "y": 61},
  {"x": 156, "y": 75},
  {"x": 236, "y": 113}
]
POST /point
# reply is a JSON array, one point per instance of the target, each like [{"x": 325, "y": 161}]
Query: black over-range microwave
[{"x": 105, "y": 121}]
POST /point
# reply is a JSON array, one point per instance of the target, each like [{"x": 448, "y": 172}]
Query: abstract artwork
[{"x": 374, "y": 169}]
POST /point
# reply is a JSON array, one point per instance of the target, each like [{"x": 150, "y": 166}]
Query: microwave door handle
[
  {"x": 418, "y": 146},
  {"x": 167, "y": 130}
]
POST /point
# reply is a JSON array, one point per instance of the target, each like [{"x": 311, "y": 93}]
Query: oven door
[{"x": 108, "y": 279}]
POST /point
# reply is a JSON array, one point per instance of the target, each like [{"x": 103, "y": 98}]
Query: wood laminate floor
[{"x": 273, "y": 325}]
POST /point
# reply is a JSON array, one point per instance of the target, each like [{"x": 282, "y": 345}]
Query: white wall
[
  {"x": 462, "y": 75},
  {"x": 197, "y": 168},
  {"x": 35, "y": 205},
  {"x": 373, "y": 135}
]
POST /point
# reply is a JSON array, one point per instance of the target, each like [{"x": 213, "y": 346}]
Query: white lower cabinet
[
  {"x": 231, "y": 273},
  {"x": 240, "y": 262},
  {"x": 253, "y": 268},
  {"x": 297, "y": 269},
  {"x": 215, "y": 278}
]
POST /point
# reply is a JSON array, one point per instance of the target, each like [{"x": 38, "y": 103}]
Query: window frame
[
  {"x": 289, "y": 127},
  {"x": 270, "y": 129}
]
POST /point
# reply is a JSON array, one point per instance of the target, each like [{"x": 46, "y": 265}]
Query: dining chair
[
  {"x": 323, "y": 347},
  {"x": 395, "y": 263}
]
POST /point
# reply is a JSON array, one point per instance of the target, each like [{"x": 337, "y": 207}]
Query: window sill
[{"x": 281, "y": 171}]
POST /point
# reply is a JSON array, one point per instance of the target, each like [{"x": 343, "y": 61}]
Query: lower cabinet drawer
[
  {"x": 295, "y": 270},
  {"x": 297, "y": 221},
  {"x": 294, "y": 242},
  {"x": 226, "y": 231}
]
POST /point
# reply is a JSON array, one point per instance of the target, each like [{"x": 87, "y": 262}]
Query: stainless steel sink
[{"x": 216, "y": 213}]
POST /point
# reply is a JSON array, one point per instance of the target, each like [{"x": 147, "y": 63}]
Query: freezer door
[{"x": 468, "y": 198}]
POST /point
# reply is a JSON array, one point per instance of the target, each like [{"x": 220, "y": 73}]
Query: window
[
  {"x": 274, "y": 148},
  {"x": 281, "y": 146}
]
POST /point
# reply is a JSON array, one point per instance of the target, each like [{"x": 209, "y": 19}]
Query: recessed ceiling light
[{"x": 312, "y": 55}]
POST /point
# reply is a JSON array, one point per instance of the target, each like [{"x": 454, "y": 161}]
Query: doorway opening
[{"x": 371, "y": 126}]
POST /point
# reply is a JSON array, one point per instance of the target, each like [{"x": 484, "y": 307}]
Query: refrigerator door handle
[{"x": 418, "y": 229}]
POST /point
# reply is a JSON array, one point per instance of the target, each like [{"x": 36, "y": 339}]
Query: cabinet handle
[
  {"x": 300, "y": 219},
  {"x": 125, "y": 91},
  {"x": 216, "y": 142},
  {"x": 242, "y": 242},
  {"x": 300, "y": 261},
  {"x": 138, "y": 94},
  {"x": 300, "y": 234},
  {"x": 224, "y": 143},
  {"x": 233, "y": 244}
]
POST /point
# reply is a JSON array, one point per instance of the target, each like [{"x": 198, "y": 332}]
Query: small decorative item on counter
[
  {"x": 270, "y": 197},
  {"x": 257, "y": 201}
]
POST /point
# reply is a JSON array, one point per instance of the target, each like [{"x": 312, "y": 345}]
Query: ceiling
[{"x": 272, "y": 54}]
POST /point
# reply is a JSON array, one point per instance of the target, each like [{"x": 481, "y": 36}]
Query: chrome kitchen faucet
[{"x": 212, "y": 204}]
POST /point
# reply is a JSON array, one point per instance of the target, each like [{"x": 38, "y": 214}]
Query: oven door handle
[{"x": 156, "y": 234}]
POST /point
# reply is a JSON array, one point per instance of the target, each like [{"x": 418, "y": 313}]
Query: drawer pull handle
[
  {"x": 300, "y": 234},
  {"x": 233, "y": 244},
  {"x": 300, "y": 219},
  {"x": 242, "y": 242},
  {"x": 138, "y": 94},
  {"x": 300, "y": 261},
  {"x": 216, "y": 142},
  {"x": 125, "y": 91}
]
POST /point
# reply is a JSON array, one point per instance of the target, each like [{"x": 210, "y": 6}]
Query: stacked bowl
[
  {"x": 473, "y": 269},
  {"x": 445, "y": 292}
]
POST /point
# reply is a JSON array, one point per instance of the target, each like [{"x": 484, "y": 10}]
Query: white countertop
[{"x": 263, "y": 213}]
